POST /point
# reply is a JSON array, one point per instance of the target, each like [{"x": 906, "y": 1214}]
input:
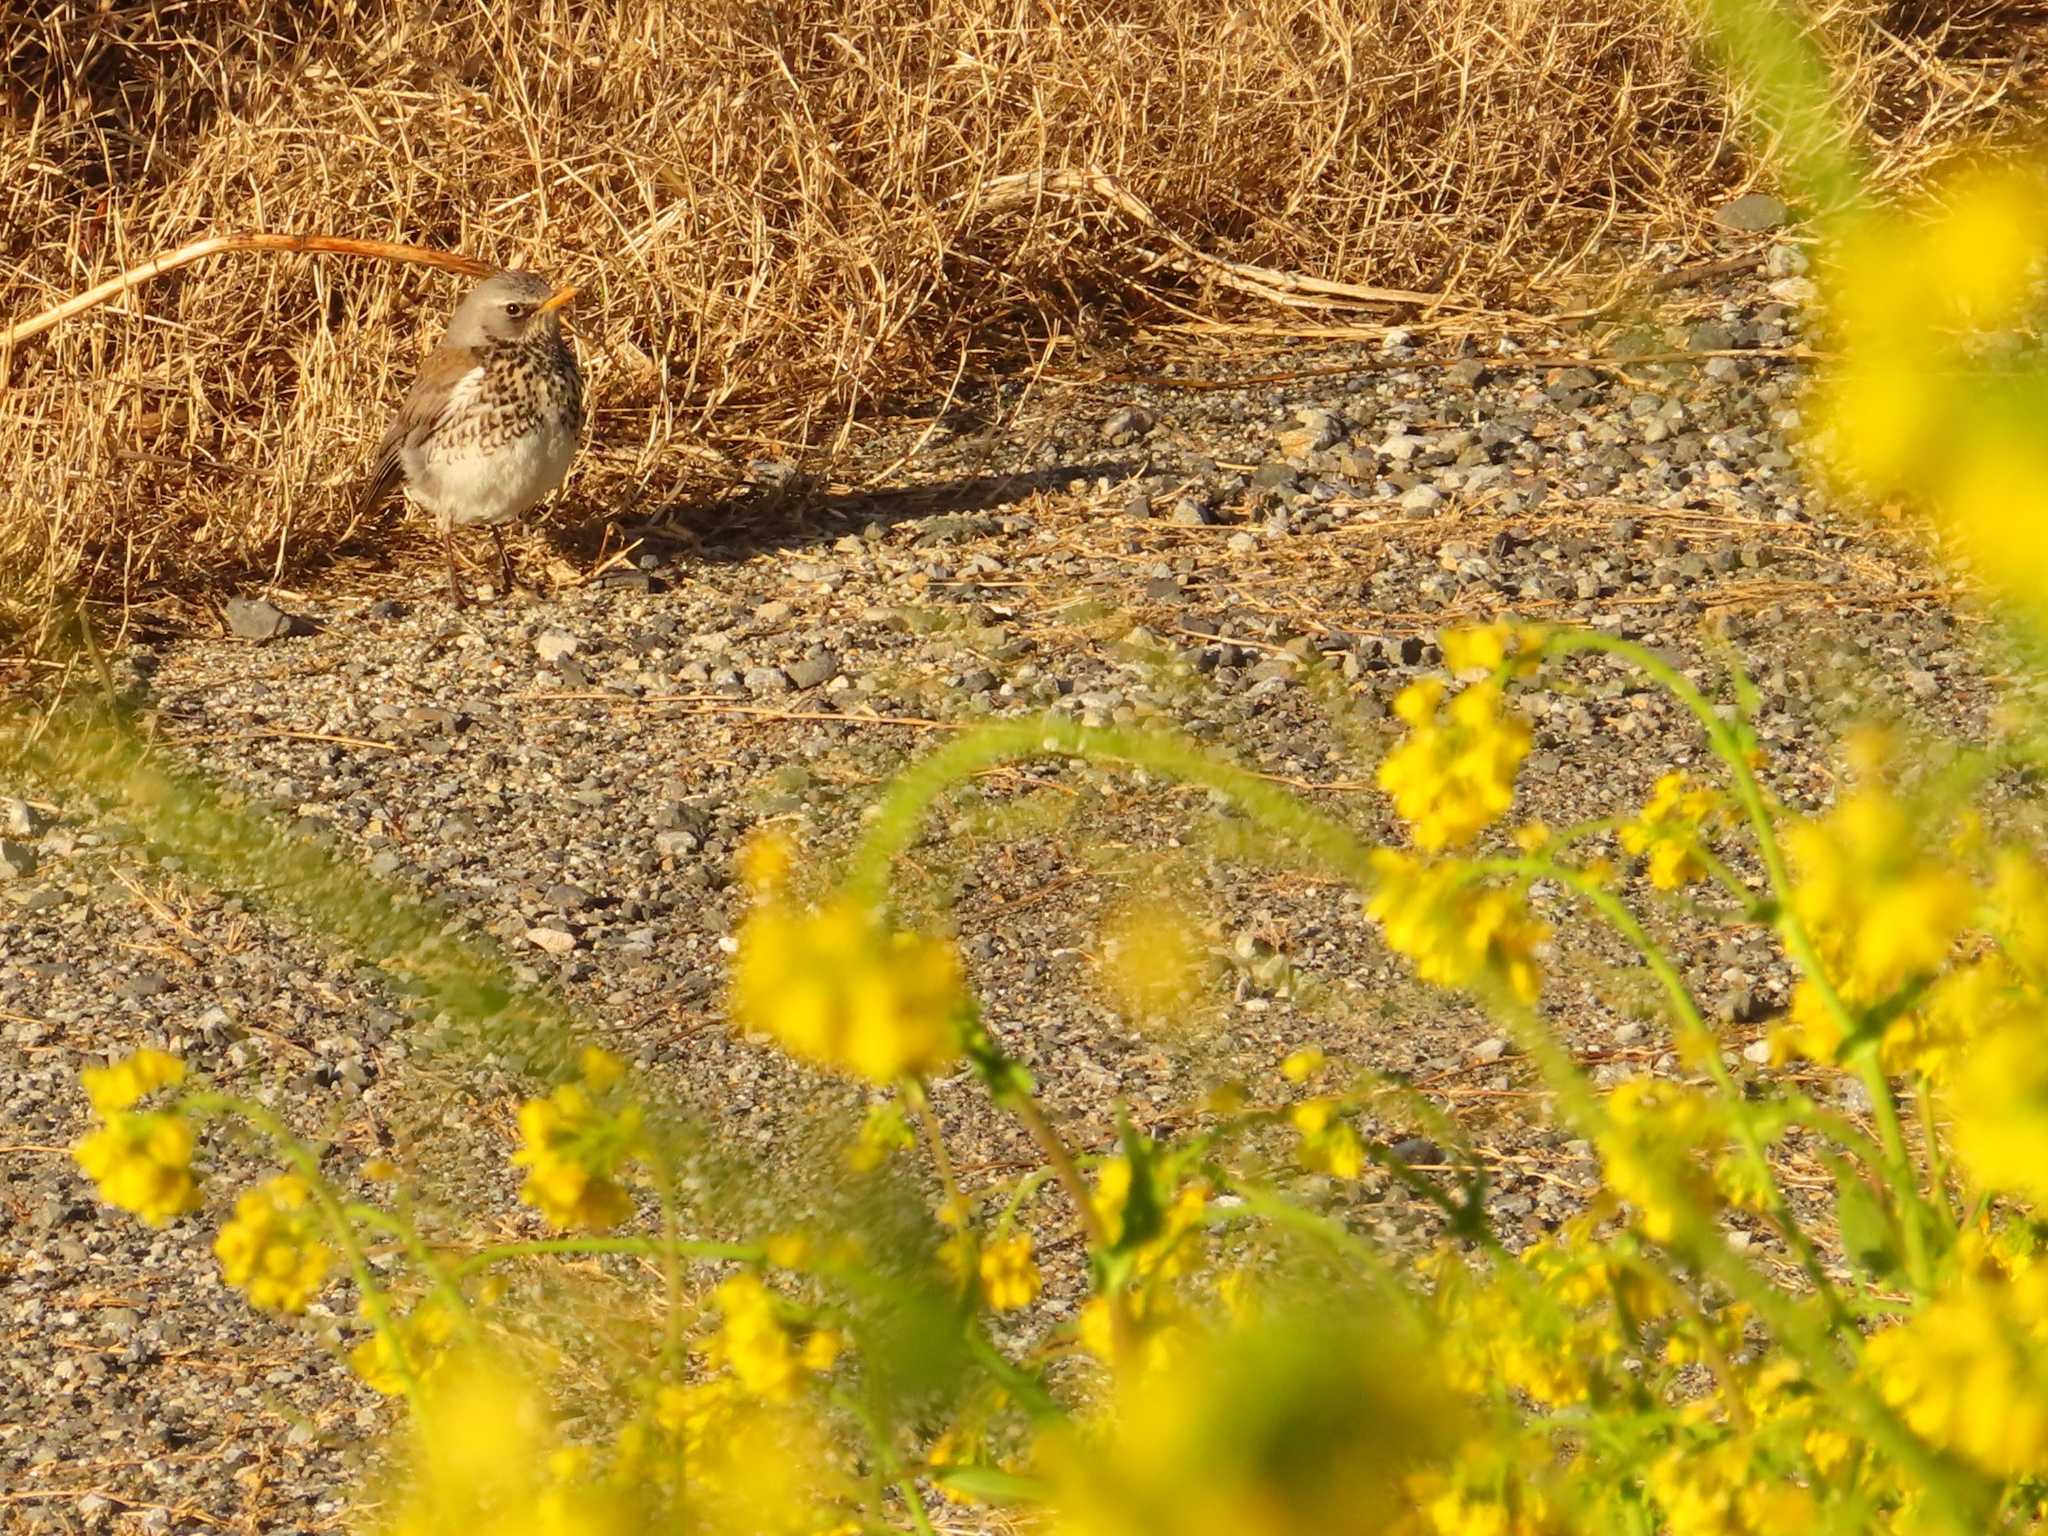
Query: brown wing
[{"x": 417, "y": 416}]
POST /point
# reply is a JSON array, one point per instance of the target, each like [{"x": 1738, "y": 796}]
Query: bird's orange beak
[{"x": 557, "y": 299}]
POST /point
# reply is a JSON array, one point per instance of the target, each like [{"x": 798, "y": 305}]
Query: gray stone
[
  {"x": 555, "y": 644},
  {"x": 1710, "y": 336},
  {"x": 1468, "y": 373},
  {"x": 251, "y": 618},
  {"x": 813, "y": 670},
  {"x": 1422, "y": 501},
  {"x": 20, "y": 819},
  {"x": 1190, "y": 513},
  {"x": 1491, "y": 1049},
  {"x": 1131, "y": 421},
  {"x": 555, "y": 941},
  {"x": 766, "y": 680},
  {"x": 1753, "y": 213},
  {"x": 17, "y": 860},
  {"x": 1276, "y": 476}
]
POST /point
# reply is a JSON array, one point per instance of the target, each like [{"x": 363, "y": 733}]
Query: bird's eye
[{"x": 517, "y": 310}]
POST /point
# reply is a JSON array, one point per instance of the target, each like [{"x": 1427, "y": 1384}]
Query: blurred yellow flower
[
  {"x": 1649, "y": 1150},
  {"x": 1152, "y": 960},
  {"x": 1303, "y": 1064},
  {"x": 570, "y": 1147},
  {"x": 1456, "y": 931},
  {"x": 763, "y": 1353},
  {"x": 1454, "y": 774},
  {"x": 1009, "y": 1275},
  {"x": 766, "y": 861},
  {"x": 1881, "y": 910},
  {"x": 1999, "y": 1102},
  {"x": 1669, "y": 828},
  {"x": 835, "y": 987},
  {"x": 123, "y": 1084},
  {"x": 1328, "y": 1143},
  {"x": 272, "y": 1249},
  {"x": 142, "y": 1162},
  {"x": 416, "y": 1343},
  {"x": 1969, "y": 1372},
  {"x": 1489, "y": 647}
]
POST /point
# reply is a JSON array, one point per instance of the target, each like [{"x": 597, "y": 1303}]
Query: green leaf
[
  {"x": 1869, "y": 1235},
  {"x": 991, "y": 1485}
]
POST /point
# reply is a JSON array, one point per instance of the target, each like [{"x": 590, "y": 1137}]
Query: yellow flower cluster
[
  {"x": 1881, "y": 913},
  {"x": 1514, "y": 648},
  {"x": 1999, "y": 1099},
  {"x": 764, "y": 1355},
  {"x": 415, "y": 1344},
  {"x": 140, "y": 1159},
  {"x": 1908, "y": 413},
  {"x": 1716, "y": 1490},
  {"x": 1009, "y": 1275},
  {"x": 835, "y": 987},
  {"x": 1669, "y": 829},
  {"x": 1454, "y": 774},
  {"x": 1969, "y": 1371},
  {"x": 1328, "y": 1143},
  {"x": 572, "y": 1144},
  {"x": 1457, "y": 932},
  {"x": 1652, "y": 1148},
  {"x": 272, "y": 1248}
]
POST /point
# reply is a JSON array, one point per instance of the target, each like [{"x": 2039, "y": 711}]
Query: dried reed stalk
[{"x": 217, "y": 245}]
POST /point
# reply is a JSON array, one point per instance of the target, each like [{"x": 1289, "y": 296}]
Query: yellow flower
[
  {"x": 1647, "y": 1148},
  {"x": 1302, "y": 1065},
  {"x": 762, "y": 1352},
  {"x": 123, "y": 1084},
  {"x": 1969, "y": 1372},
  {"x": 1669, "y": 830},
  {"x": 570, "y": 1149},
  {"x": 1152, "y": 960},
  {"x": 1489, "y": 647},
  {"x": 415, "y": 1344},
  {"x": 1455, "y": 930},
  {"x": 1999, "y": 1098},
  {"x": 1881, "y": 911},
  {"x": 835, "y": 987},
  {"x": 1328, "y": 1143},
  {"x": 766, "y": 861},
  {"x": 272, "y": 1248},
  {"x": 1455, "y": 772},
  {"x": 142, "y": 1162},
  {"x": 1009, "y": 1277}
]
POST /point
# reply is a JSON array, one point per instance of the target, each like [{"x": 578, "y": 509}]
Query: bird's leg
[
  {"x": 506, "y": 580},
  {"x": 455, "y": 593}
]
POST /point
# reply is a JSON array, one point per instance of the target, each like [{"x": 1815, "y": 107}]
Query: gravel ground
[{"x": 571, "y": 775}]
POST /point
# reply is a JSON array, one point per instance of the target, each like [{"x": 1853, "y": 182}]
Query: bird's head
[{"x": 508, "y": 306}]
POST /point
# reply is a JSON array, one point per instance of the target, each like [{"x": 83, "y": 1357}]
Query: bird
[{"x": 493, "y": 420}]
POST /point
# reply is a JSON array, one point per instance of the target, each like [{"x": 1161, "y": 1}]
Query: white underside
[{"x": 480, "y": 489}]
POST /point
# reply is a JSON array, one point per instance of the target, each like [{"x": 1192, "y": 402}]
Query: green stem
[
  {"x": 1897, "y": 1170},
  {"x": 1680, "y": 995},
  {"x": 911, "y": 796},
  {"x": 693, "y": 1248},
  {"x": 302, "y": 1157}
]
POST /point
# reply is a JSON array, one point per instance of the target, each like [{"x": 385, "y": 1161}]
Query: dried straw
[{"x": 788, "y": 220}]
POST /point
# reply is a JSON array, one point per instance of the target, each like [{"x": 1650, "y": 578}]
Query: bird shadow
[{"x": 782, "y": 511}]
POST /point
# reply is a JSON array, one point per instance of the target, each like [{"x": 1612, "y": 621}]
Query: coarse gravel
[{"x": 571, "y": 775}]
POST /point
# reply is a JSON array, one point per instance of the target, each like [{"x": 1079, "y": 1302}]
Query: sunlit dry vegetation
[{"x": 791, "y": 221}]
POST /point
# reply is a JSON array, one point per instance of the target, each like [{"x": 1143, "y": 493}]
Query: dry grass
[{"x": 791, "y": 220}]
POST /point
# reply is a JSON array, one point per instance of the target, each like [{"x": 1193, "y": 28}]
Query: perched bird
[{"x": 492, "y": 422}]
